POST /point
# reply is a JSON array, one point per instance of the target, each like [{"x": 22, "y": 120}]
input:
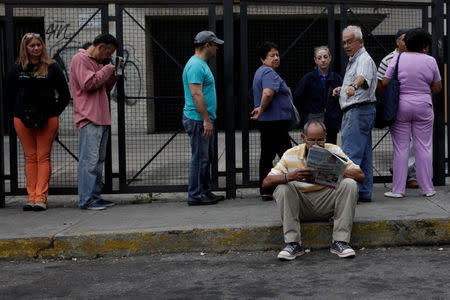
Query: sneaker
[
  {"x": 291, "y": 251},
  {"x": 430, "y": 194},
  {"x": 342, "y": 249},
  {"x": 393, "y": 195},
  {"x": 213, "y": 196},
  {"x": 39, "y": 206},
  {"x": 105, "y": 203},
  {"x": 94, "y": 206}
]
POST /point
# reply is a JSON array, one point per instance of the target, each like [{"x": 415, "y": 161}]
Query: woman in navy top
[
  {"x": 314, "y": 94},
  {"x": 272, "y": 111}
]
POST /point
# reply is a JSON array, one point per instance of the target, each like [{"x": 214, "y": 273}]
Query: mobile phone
[{"x": 119, "y": 69}]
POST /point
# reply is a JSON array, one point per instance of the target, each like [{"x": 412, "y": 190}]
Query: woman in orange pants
[{"x": 31, "y": 87}]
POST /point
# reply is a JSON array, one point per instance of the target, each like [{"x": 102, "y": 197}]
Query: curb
[{"x": 315, "y": 235}]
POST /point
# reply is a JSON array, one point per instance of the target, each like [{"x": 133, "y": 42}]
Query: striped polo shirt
[
  {"x": 384, "y": 64},
  {"x": 294, "y": 159}
]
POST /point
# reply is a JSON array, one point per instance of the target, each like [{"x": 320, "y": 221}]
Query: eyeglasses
[
  {"x": 349, "y": 42},
  {"x": 31, "y": 35},
  {"x": 313, "y": 141}
]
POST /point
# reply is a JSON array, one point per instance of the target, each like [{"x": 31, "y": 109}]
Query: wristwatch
[{"x": 354, "y": 86}]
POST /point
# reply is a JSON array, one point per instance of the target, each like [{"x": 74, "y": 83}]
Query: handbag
[
  {"x": 295, "y": 116},
  {"x": 32, "y": 117},
  {"x": 387, "y": 106}
]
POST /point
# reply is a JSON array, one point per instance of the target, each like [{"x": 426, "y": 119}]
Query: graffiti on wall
[
  {"x": 58, "y": 31},
  {"x": 133, "y": 82},
  {"x": 132, "y": 76}
]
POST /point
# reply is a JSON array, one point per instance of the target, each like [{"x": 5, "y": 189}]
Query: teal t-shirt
[{"x": 197, "y": 71}]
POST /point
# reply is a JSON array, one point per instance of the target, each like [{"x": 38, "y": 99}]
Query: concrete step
[{"x": 242, "y": 224}]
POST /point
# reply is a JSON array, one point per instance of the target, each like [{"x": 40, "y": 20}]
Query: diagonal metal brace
[
  {"x": 65, "y": 148},
  {"x": 303, "y": 33},
  {"x": 154, "y": 40},
  {"x": 155, "y": 155}
]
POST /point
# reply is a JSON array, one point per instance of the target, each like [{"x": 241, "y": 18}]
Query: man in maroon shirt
[{"x": 90, "y": 82}]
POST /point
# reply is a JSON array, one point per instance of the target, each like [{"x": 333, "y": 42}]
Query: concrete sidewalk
[{"x": 168, "y": 224}]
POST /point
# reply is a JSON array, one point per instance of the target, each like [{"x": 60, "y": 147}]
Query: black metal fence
[{"x": 148, "y": 150}]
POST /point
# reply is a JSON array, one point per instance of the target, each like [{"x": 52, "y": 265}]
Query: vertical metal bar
[
  {"x": 439, "y": 106},
  {"x": 212, "y": 26},
  {"x": 107, "y": 187},
  {"x": 331, "y": 37},
  {"x": 343, "y": 25},
  {"x": 448, "y": 83},
  {"x": 213, "y": 66},
  {"x": 425, "y": 18},
  {"x": 2, "y": 150},
  {"x": 104, "y": 17},
  {"x": 244, "y": 93},
  {"x": 121, "y": 103},
  {"x": 9, "y": 33},
  {"x": 229, "y": 99}
]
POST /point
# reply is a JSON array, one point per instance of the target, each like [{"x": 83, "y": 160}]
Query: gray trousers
[{"x": 338, "y": 203}]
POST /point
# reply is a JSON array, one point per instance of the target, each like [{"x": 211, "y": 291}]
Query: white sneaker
[
  {"x": 393, "y": 195},
  {"x": 430, "y": 194},
  {"x": 342, "y": 249},
  {"x": 291, "y": 251}
]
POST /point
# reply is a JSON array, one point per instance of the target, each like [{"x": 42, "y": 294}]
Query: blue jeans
[
  {"x": 356, "y": 133},
  {"x": 92, "y": 153},
  {"x": 202, "y": 156}
]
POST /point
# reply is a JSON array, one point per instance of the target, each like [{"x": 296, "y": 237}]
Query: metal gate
[
  {"x": 148, "y": 149},
  {"x": 297, "y": 28},
  {"x": 153, "y": 150},
  {"x": 65, "y": 30}
]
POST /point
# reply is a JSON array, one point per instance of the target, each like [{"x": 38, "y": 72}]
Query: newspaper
[{"x": 327, "y": 168}]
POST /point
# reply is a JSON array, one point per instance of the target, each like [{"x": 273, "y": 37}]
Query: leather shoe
[
  {"x": 204, "y": 201},
  {"x": 412, "y": 184},
  {"x": 266, "y": 198},
  {"x": 364, "y": 200},
  {"x": 213, "y": 196}
]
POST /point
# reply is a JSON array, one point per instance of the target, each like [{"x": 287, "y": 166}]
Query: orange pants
[{"x": 37, "y": 145}]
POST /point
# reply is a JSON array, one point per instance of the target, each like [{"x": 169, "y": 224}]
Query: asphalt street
[{"x": 382, "y": 273}]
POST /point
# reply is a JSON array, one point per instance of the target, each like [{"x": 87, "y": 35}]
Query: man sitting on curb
[{"x": 300, "y": 200}]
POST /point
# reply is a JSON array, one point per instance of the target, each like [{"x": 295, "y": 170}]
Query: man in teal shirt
[{"x": 199, "y": 114}]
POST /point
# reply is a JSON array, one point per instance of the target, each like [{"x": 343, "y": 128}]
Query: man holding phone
[{"x": 92, "y": 76}]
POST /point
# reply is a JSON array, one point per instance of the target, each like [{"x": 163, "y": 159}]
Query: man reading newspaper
[{"x": 300, "y": 199}]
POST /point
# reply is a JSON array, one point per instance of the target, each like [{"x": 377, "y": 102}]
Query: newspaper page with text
[{"x": 327, "y": 168}]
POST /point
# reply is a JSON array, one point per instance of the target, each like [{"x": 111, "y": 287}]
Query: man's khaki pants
[{"x": 338, "y": 203}]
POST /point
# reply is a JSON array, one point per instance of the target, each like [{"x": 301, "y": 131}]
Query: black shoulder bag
[{"x": 388, "y": 105}]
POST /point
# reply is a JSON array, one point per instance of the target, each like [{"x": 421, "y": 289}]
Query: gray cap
[
  {"x": 400, "y": 32},
  {"x": 205, "y": 37}
]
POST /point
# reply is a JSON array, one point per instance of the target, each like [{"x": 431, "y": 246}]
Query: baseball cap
[
  {"x": 205, "y": 37},
  {"x": 400, "y": 32}
]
